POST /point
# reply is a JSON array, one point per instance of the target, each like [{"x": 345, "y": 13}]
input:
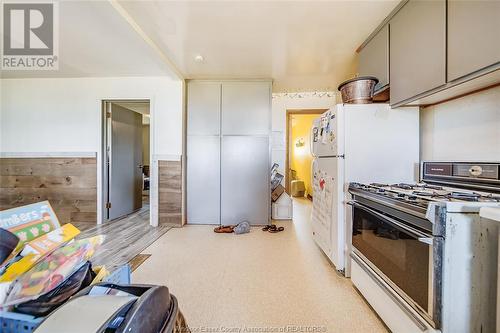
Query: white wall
[
  {"x": 280, "y": 104},
  {"x": 467, "y": 128},
  {"x": 61, "y": 115},
  {"x": 64, "y": 115}
]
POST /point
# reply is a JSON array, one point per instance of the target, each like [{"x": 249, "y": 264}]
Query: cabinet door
[
  {"x": 246, "y": 108},
  {"x": 203, "y": 108},
  {"x": 374, "y": 58},
  {"x": 417, "y": 49},
  {"x": 203, "y": 179},
  {"x": 245, "y": 179},
  {"x": 473, "y": 41}
]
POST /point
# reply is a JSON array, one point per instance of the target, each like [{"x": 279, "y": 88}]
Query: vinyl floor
[{"x": 256, "y": 282}]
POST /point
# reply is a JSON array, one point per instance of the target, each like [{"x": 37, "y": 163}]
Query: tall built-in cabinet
[{"x": 228, "y": 151}]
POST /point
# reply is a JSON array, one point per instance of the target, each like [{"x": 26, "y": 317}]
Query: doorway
[
  {"x": 126, "y": 162},
  {"x": 298, "y": 157}
]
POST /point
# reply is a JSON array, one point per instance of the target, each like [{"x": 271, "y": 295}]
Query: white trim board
[{"x": 63, "y": 154}]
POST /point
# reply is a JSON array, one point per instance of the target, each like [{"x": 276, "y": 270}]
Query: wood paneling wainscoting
[
  {"x": 170, "y": 193},
  {"x": 68, "y": 183}
]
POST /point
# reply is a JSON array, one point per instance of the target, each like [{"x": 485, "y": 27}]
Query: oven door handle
[{"x": 419, "y": 235}]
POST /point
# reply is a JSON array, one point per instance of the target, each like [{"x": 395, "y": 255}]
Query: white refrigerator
[{"x": 357, "y": 143}]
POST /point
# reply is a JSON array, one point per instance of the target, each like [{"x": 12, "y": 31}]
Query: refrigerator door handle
[
  {"x": 311, "y": 141},
  {"x": 313, "y": 164}
]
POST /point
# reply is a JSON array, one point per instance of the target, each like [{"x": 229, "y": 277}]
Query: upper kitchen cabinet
[
  {"x": 374, "y": 58},
  {"x": 417, "y": 49},
  {"x": 473, "y": 41}
]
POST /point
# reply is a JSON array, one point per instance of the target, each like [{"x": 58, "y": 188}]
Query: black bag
[{"x": 48, "y": 302}]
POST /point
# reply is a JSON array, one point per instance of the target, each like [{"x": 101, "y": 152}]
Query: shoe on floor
[{"x": 224, "y": 229}]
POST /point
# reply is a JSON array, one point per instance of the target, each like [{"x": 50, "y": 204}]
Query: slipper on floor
[
  {"x": 266, "y": 228},
  {"x": 269, "y": 227},
  {"x": 224, "y": 229},
  {"x": 276, "y": 229},
  {"x": 273, "y": 228}
]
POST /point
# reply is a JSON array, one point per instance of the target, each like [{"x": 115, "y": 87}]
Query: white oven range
[{"x": 420, "y": 253}]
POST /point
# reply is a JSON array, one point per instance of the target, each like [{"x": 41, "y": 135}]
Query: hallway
[
  {"x": 124, "y": 237},
  {"x": 226, "y": 281}
]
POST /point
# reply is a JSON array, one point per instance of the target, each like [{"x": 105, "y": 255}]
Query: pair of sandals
[{"x": 273, "y": 228}]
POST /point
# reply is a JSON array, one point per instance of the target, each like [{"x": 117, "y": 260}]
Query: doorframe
[
  {"x": 288, "y": 134},
  {"x": 101, "y": 161}
]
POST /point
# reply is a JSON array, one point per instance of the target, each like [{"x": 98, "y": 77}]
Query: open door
[
  {"x": 299, "y": 144},
  {"x": 124, "y": 161}
]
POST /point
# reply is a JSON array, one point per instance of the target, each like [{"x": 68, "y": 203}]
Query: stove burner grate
[
  {"x": 404, "y": 186},
  {"x": 425, "y": 194},
  {"x": 378, "y": 185},
  {"x": 473, "y": 197},
  {"x": 430, "y": 187},
  {"x": 491, "y": 197},
  {"x": 464, "y": 196}
]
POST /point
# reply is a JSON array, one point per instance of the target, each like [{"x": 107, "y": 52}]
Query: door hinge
[
  {"x": 108, "y": 204},
  {"x": 108, "y": 114}
]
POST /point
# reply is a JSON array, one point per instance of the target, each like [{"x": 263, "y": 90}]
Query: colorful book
[
  {"x": 30, "y": 221},
  {"x": 50, "y": 241}
]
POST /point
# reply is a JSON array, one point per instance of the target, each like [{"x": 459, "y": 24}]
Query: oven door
[{"x": 401, "y": 255}]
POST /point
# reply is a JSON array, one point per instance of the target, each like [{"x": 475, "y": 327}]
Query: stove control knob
[{"x": 475, "y": 170}]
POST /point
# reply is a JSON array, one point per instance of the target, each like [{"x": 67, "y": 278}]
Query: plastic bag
[
  {"x": 48, "y": 273},
  {"x": 48, "y": 302},
  {"x": 242, "y": 227}
]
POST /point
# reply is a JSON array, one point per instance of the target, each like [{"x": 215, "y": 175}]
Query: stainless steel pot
[{"x": 358, "y": 90}]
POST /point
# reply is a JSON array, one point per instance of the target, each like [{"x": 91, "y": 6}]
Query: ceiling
[
  {"x": 301, "y": 45},
  {"x": 94, "y": 41}
]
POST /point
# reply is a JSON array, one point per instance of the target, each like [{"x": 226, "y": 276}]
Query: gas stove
[
  {"x": 452, "y": 187},
  {"x": 421, "y": 194},
  {"x": 402, "y": 234}
]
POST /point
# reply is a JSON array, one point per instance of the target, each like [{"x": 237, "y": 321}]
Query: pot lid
[{"x": 359, "y": 78}]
